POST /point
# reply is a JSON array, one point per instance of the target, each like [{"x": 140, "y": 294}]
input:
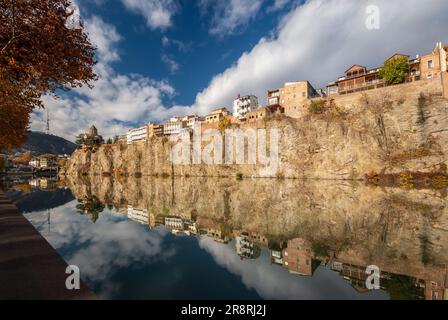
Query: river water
[{"x": 217, "y": 238}]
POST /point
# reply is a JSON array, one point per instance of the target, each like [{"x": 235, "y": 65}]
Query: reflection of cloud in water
[
  {"x": 101, "y": 248},
  {"x": 275, "y": 282}
]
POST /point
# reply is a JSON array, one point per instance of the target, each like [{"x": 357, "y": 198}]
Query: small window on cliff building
[{"x": 430, "y": 64}]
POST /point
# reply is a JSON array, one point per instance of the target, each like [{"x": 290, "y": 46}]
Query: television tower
[{"x": 47, "y": 128}]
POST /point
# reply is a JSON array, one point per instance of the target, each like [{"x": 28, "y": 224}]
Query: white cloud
[
  {"x": 158, "y": 13},
  {"x": 179, "y": 45},
  {"x": 274, "y": 282},
  {"x": 320, "y": 39},
  {"x": 229, "y": 17},
  {"x": 172, "y": 65},
  {"x": 100, "y": 249},
  {"x": 278, "y": 5},
  {"x": 115, "y": 104}
]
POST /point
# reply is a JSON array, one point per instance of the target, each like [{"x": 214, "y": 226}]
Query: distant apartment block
[
  {"x": 243, "y": 105},
  {"x": 137, "y": 134},
  {"x": 174, "y": 126},
  {"x": 359, "y": 78}
]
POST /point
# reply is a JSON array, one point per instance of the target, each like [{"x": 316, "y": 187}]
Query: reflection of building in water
[
  {"x": 276, "y": 257},
  {"x": 138, "y": 215},
  {"x": 436, "y": 290},
  {"x": 174, "y": 223},
  {"x": 245, "y": 248},
  {"x": 212, "y": 229},
  {"x": 297, "y": 257},
  {"x": 43, "y": 184},
  {"x": 355, "y": 275}
]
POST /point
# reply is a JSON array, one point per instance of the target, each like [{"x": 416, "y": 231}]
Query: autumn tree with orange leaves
[{"x": 39, "y": 54}]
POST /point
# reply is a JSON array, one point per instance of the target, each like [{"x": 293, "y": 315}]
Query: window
[
  {"x": 429, "y": 75},
  {"x": 430, "y": 64}
]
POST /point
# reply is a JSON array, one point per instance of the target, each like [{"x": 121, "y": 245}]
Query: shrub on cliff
[{"x": 317, "y": 106}]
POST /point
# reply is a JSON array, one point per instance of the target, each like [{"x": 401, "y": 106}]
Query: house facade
[
  {"x": 265, "y": 112},
  {"x": 359, "y": 78},
  {"x": 217, "y": 115},
  {"x": 292, "y": 97}
]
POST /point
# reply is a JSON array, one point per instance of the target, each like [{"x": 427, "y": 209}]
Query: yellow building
[{"x": 217, "y": 115}]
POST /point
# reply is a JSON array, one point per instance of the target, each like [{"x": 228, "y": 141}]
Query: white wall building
[
  {"x": 174, "y": 126},
  {"x": 137, "y": 134},
  {"x": 243, "y": 105},
  {"x": 138, "y": 215}
]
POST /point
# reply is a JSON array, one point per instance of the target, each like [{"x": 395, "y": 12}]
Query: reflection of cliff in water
[{"x": 303, "y": 223}]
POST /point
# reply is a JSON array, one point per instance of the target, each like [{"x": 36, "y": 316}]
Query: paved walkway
[{"x": 29, "y": 267}]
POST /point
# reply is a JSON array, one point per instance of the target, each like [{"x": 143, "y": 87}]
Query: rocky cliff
[{"x": 376, "y": 133}]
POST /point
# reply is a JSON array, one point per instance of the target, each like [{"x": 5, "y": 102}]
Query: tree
[
  {"x": 395, "y": 70},
  {"x": 109, "y": 141},
  {"x": 39, "y": 54},
  {"x": 79, "y": 141},
  {"x": 23, "y": 159}
]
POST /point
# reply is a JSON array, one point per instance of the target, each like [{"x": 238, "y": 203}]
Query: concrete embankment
[{"x": 29, "y": 267}]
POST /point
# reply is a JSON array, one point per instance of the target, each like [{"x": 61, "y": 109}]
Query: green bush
[
  {"x": 239, "y": 176},
  {"x": 317, "y": 107}
]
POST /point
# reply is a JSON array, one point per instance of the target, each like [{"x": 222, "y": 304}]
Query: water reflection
[{"x": 221, "y": 238}]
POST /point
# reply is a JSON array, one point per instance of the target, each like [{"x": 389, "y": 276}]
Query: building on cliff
[
  {"x": 137, "y": 134},
  {"x": 217, "y": 115},
  {"x": 175, "y": 126},
  {"x": 89, "y": 139},
  {"x": 359, "y": 78},
  {"x": 292, "y": 96},
  {"x": 243, "y": 105},
  {"x": 264, "y": 112}
]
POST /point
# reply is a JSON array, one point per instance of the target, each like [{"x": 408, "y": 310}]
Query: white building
[
  {"x": 192, "y": 120},
  {"x": 137, "y": 134},
  {"x": 138, "y": 215},
  {"x": 174, "y": 126},
  {"x": 243, "y": 105}
]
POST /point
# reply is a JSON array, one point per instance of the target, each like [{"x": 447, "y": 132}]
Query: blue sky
[
  {"x": 186, "y": 49},
  {"x": 159, "y": 58}
]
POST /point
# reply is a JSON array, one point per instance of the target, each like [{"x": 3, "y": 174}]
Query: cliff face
[{"x": 383, "y": 131}]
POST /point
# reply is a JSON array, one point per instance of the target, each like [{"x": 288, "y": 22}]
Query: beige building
[
  {"x": 265, "y": 112},
  {"x": 155, "y": 130},
  {"x": 292, "y": 97},
  {"x": 217, "y": 115}
]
